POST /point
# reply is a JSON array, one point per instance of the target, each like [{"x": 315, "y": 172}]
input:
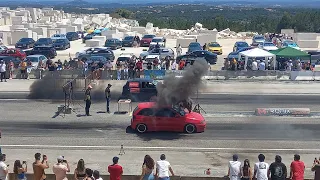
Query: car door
[
  {"x": 146, "y": 116},
  {"x": 165, "y": 119}
]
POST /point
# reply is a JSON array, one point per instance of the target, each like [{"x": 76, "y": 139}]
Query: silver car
[
  {"x": 258, "y": 39},
  {"x": 163, "y": 52}
]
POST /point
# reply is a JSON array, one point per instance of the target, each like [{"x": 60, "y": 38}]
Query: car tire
[
  {"x": 190, "y": 128},
  {"x": 141, "y": 128}
]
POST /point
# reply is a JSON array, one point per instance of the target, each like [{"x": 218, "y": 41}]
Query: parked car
[
  {"x": 147, "y": 117},
  {"x": 268, "y": 46},
  {"x": 258, "y": 39},
  {"x": 290, "y": 44},
  {"x": 25, "y": 43},
  {"x": 35, "y": 59},
  {"x": 239, "y": 45},
  {"x": 201, "y": 54},
  {"x": 61, "y": 44},
  {"x": 71, "y": 36},
  {"x": 97, "y": 59},
  {"x": 87, "y": 37},
  {"x": 158, "y": 40},
  {"x": 44, "y": 42},
  {"x": 2, "y": 48},
  {"x": 151, "y": 58},
  {"x": 125, "y": 57},
  {"x": 163, "y": 53},
  {"x": 215, "y": 47},
  {"x": 194, "y": 46},
  {"x": 236, "y": 54},
  {"x": 58, "y": 36},
  {"x": 128, "y": 41},
  {"x": 139, "y": 89},
  {"x": 16, "y": 61},
  {"x": 90, "y": 50},
  {"x": 113, "y": 43},
  {"x": 48, "y": 51},
  {"x": 107, "y": 53},
  {"x": 18, "y": 53},
  {"x": 146, "y": 40}
]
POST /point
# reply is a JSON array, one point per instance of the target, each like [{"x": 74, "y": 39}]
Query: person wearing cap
[
  {"x": 108, "y": 96},
  {"x": 234, "y": 171},
  {"x": 3, "y": 71},
  {"x": 88, "y": 100},
  {"x": 162, "y": 168},
  {"x": 60, "y": 169},
  {"x": 115, "y": 169},
  {"x": 277, "y": 170}
]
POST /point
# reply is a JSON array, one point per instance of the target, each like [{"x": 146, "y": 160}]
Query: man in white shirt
[
  {"x": 234, "y": 171},
  {"x": 3, "y": 71},
  {"x": 3, "y": 168},
  {"x": 162, "y": 168},
  {"x": 261, "y": 168},
  {"x": 254, "y": 65},
  {"x": 289, "y": 65},
  {"x": 262, "y": 66},
  {"x": 60, "y": 170}
]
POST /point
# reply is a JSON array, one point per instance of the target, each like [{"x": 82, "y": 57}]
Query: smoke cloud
[{"x": 176, "y": 89}]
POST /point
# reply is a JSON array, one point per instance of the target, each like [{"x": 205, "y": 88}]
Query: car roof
[
  {"x": 126, "y": 55},
  {"x": 140, "y": 80},
  {"x": 112, "y": 39},
  {"x": 37, "y": 55},
  {"x": 158, "y": 37},
  {"x": 144, "y": 105}
]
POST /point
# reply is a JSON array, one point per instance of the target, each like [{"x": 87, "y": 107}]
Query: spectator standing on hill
[
  {"x": 96, "y": 175},
  {"x": 19, "y": 170},
  {"x": 147, "y": 168},
  {"x": 39, "y": 166},
  {"x": 278, "y": 170},
  {"x": 297, "y": 168},
  {"x": 115, "y": 169},
  {"x": 261, "y": 168},
  {"x": 3, "y": 70},
  {"x": 316, "y": 169},
  {"x": 163, "y": 168},
  {"x": 60, "y": 170},
  {"x": 234, "y": 171},
  {"x": 3, "y": 168},
  {"x": 80, "y": 171},
  {"x": 246, "y": 171}
]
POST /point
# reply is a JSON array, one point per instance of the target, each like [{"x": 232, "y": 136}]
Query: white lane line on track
[{"x": 151, "y": 148}]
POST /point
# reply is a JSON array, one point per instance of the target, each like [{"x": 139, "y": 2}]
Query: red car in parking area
[
  {"x": 146, "y": 40},
  {"x": 17, "y": 53},
  {"x": 147, "y": 118}
]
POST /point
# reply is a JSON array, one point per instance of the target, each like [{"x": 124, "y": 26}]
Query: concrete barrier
[
  {"x": 282, "y": 112},
  {"x": 302, "y": 76}
]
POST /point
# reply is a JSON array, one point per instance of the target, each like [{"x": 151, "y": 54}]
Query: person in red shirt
[
  {"x": 139, "y": 68},
  {"x": 297, "y": 168},
  {"x": 115, "y": 169}
]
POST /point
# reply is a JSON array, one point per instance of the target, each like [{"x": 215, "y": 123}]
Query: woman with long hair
[
  {"x": 246, "y": 171},
  {"x": 147, "y": 168},
  {"x": 80, "y": 171},
  {"x": 19, "y": 170}
]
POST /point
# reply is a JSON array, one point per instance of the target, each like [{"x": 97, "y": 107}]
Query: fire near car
[{"x": 147, "y": 117}]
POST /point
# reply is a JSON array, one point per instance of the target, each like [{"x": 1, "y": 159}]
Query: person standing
[
  {"x": 88, "y": 100},
  {"x": 3, "y": 168},
  {"x": 234, "y": 171},
  {"x": 3, "y": 70},
  {"x": 60, "y": 170},
  {"x": 261, "y": 168},
  {"x": 297, "y": 168},
  {"x": 39, "y": 167},
  {"x": 115, "y": 169},
  {"x": 179, "y": 50},
  {"x": 163, "y": 168},
  {"x": 147, "y": 169},
  {"x": 204, "y": 47},
  {"x": 107, "y": 93},
  {"x": 316, "y": 169},
  {"x": 277, "y": 170},
  {"x": 19, "y": 170},
  {"x": 246, "y": 171}
]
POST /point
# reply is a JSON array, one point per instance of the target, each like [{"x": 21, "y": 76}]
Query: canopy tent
[
  {"x": 257, "y": 53},
  {"x": 290, "y": 52}
]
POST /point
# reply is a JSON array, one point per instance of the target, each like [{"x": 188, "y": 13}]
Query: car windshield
[
  {"x": 123, "y": 58},
  {"x": 268, "y": 44},
  {"x": 32, "y": 59},
  {"x": 57, "y": 35},
  {"x": 194, "y": 45},
  {"x": 214, "y": 45},
  {"x": 242, "y": 44},
  {"x": 148, "y": 36},
  {"x": 111, "y": 41},
  {"x": 259, "y": 37},
  {"x": 98, "y": 58},
  {"x": 59, "y": 40},
  {"x": 24, "y": 40},
  {"x": 43, "y": 40},
  {"x": 157, "y": 40},
  {"x": 128, "y": 38}
]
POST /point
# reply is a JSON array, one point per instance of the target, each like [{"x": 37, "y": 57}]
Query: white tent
[{"x": 256, "y": 53}]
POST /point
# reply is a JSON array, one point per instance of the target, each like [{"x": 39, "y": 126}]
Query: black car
[
  {"x": 61, "y": 44},
  {"x": 7, "y": 59},
  {"x": 25, "y": 43},
  {"x": 107, "y": 53},
  {"x": 195, "y": 55},
  {"x": 47, "y": 51},
  {"x": 128, "y": 41},
  {"x": 87, "y": 37},
  {"x": 44, "y": 42},
  {"x": 71, "y": 36},
  {"x": 139, "y": 89}
]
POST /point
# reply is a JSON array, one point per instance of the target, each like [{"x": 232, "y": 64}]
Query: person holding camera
[
  {"x": 316, "y": 168},
  {"x": 20, "y": 169},
  {"x": 39, "y": 166},
  {"x": 61, "y": 168}
]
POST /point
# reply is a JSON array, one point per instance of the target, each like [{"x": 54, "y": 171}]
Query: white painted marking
[{"x": 150, "y": 148}]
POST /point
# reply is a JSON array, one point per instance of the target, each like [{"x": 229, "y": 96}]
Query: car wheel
[
  {"x": 141, "y": 128},
  {"x": 190, "y": 128}
]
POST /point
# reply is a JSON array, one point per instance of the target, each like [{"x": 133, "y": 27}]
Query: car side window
[
  {"x": 165, "y": 112},
  {"x": 146, "y": 112}
]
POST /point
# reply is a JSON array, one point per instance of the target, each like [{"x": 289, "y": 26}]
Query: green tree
[{"x": 286, "y": 22}]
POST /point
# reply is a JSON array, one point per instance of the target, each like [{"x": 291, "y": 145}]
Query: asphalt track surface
[{"x": 230, "y": 125}]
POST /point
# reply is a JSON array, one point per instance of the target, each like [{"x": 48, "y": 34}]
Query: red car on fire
[
  {"x": 148, "y": 118},
  {"x": 17, "y": 53},
  {"x": 146, "y": 40}
]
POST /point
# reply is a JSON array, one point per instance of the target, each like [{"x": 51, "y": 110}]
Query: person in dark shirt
[
  {"x": 149, "y": 65},
  {"x": 132, "y": 65},
  {"x": 277, "y": 170},
  {"x": 108, "y": 96},
  {"x": 316, "y": 169},
  {"x": 88, "y": 100}
]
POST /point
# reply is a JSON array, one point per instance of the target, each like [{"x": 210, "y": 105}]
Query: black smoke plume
[{"x": 176, "y": 89}]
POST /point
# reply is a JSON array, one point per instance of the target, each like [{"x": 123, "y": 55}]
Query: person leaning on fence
[{"x": 20, "y": 169}]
